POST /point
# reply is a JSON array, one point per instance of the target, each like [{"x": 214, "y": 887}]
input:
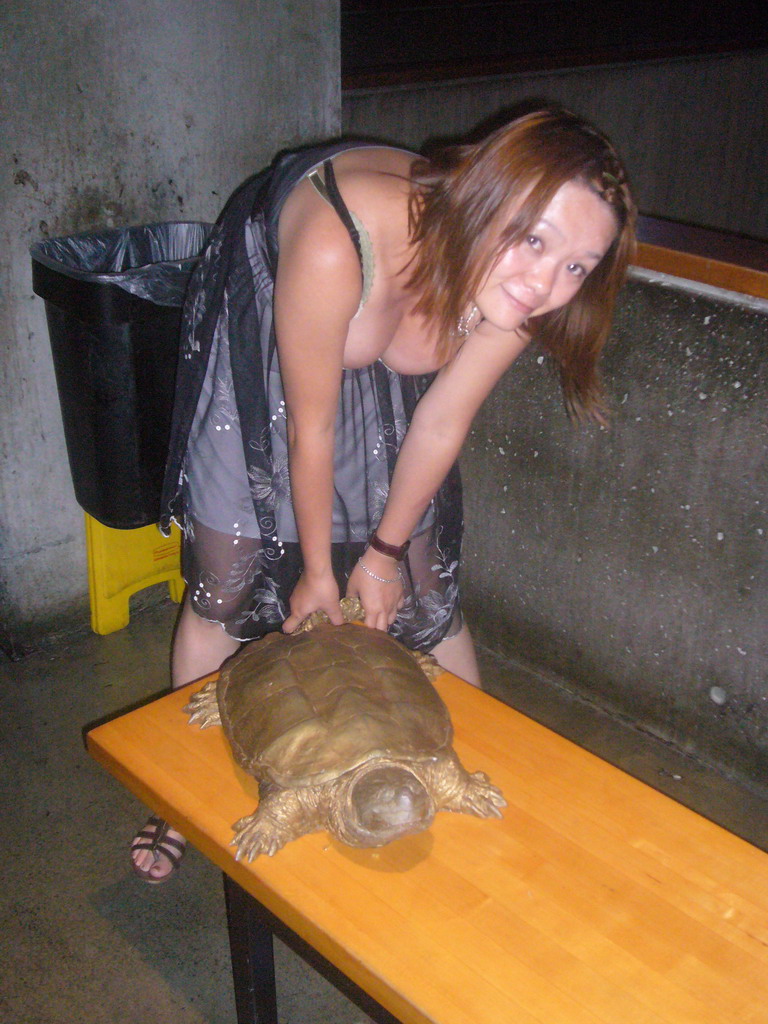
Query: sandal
[{"x": 154, "y": 837}]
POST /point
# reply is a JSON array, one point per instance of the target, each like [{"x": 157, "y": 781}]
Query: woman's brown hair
[{"x": 454, "y": 218}]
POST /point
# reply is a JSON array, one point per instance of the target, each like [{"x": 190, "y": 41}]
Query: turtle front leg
[
  {"x": 455, "y": 789},
  {"x": 480, "y": 797},
  {"x": 282, "y": 815},
  {"x": 203, "y": 707}
]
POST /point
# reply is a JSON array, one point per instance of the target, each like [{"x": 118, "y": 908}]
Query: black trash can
[{"x": 113, "y": 303}]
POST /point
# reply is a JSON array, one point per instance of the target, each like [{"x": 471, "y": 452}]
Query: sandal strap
[
  {"x": 154, "y": 837},
  {"x": 157, "y": 839}
]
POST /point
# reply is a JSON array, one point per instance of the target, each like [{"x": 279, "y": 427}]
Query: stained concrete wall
[
  {"x": 630, "y": 565},
  {"x": 121, "y": 113},
  {"x": 693, "y": 132}
]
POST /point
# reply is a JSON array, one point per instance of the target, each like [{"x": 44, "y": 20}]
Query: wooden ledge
[{"x": 711, "y": 257}]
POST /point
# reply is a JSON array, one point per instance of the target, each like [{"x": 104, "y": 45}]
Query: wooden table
[{"x": 597, "y": 900}]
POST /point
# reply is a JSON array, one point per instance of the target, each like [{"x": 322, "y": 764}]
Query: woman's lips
[{"x": 521, "y": 306}]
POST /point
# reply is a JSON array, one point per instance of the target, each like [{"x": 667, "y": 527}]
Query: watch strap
[{"x": 391, "y": 550}]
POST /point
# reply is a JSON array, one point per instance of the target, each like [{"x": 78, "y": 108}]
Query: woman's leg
[
  {"x": 199, "y": 647},
  {"x": 457, "y": 655}
]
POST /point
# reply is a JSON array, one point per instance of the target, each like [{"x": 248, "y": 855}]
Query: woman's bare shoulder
[
  {"x": 381, "y": 159},
  {"x": 370, "y": 181},
  {"x": 371, "y": 175},
  {"x": 374, "y": 183}
]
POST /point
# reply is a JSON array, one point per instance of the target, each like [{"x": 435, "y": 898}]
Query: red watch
[{"x": 393, "y": 551}]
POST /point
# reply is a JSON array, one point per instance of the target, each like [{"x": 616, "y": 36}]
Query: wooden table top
[{"x": 596, "y": 900}]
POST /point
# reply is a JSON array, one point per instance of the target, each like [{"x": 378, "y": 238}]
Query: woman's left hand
[{"x": 381, "y": 601}]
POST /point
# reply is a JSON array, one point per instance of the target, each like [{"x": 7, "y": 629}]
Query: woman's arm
[
  {"x": 441, "y": 423},
  {"x": 432, "y": 444},
  {"x": 317, "y": 292}
]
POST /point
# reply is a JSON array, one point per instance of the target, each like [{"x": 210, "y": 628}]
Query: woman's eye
[
  {"x": 534, "y": 241},
  {"x": 577, "y": 270}
]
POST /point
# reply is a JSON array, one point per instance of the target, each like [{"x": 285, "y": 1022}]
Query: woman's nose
[{"x": 540, "y": 277}]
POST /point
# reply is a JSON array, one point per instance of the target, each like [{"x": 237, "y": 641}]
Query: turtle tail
[{"x": 427, "y": 663}]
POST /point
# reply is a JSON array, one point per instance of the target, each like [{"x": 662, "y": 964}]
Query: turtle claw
[
  {"x": 481, "y": 797},
  {"x": 203, "y": 707},
  {"x": 257, "y": 834}
]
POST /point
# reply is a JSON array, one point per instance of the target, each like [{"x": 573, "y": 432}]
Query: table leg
[
  {"x": 251, "y": 930},
  {"x": 253, "y": 963}
]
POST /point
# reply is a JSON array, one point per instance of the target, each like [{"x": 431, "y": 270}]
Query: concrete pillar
[{"x": 122, "y": 113}]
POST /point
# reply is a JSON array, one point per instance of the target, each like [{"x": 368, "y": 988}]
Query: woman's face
[{"x": 545, "y": 270}]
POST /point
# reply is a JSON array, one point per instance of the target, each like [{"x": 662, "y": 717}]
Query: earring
[{"x": 466, "y": 324}]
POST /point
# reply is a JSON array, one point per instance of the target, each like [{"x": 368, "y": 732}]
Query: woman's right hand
[
  {"x": 380, "y": 600},
  {"x": 314, "y": 592}
]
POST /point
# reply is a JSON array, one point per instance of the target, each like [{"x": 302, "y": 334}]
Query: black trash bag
[{"x": 113, "y": 303}]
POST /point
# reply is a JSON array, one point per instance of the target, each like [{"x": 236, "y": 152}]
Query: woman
[{"x": 324, "y": 396}]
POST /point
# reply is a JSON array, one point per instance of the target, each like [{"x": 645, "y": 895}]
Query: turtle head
[{"x": 381, "y": 802}]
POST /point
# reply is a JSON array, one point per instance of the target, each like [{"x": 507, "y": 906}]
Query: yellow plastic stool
[{"x": 121, "y": 562}]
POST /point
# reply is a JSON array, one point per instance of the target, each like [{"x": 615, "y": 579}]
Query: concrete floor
[{"x": 82, "y": 939}]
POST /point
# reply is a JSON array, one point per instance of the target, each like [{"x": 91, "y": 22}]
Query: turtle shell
[{"x": 305, "y": 708}]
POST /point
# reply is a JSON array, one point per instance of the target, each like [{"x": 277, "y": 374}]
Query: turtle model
[{"x": 343, "y": 730}]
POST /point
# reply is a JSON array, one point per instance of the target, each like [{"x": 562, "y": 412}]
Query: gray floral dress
[{"x": 227, "y": 482}]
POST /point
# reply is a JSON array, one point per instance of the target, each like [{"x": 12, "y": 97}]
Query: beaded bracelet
[{"x": 373, "y": 575}]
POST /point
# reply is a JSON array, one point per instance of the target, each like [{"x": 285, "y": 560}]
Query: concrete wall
[
  {"x": 630, "y": 565},
  {"x": 120, "y": 113},
  {"x": 628, "y": 568},
  {"x": 693, "y": 132}
]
